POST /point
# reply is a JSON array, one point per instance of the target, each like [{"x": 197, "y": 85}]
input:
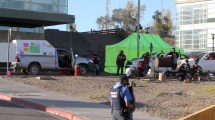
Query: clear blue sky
[{"x": 87, "y": 11}]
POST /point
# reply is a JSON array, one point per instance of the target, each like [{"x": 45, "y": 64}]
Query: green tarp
[{"x": 129, "y": 46}]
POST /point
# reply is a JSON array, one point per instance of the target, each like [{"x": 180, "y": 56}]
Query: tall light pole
[
  {"x": 107, "y": 14},
  {"x": 138, "y": 30},
  {"x": 8, "y": 48},
  {"x": 213, "y": 41}
]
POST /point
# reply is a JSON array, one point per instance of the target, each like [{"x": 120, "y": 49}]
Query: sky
[{"x": 87, "y": 11}]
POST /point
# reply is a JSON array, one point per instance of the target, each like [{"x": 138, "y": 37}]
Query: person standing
[
  {"x": 133, "y": 101},
  {"x": 120, "y": 61},
  {"x": 146, "y": 62},
  {"x": 96, "y": 63},
  {"x": 174, "y": 56},
  {"x": 120, "y": 99}
]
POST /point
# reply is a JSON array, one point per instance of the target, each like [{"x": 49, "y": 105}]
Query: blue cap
[{"x": 124, "y": 77}]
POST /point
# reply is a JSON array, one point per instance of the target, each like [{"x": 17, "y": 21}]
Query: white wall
[{"x": 3, "y": 52}]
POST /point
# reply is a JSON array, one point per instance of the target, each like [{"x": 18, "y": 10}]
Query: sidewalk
[{"x": 65, "y": 106}]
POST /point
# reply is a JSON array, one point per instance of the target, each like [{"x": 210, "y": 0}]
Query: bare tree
[
  {"x": 163, "y": 22},
  {"x": 117, "y": 16},
  {"x": 126, "y": 17},
  {"x": 101, "y": 22},
  {"x": 157, "y": 20},
  {"x": 168, "y": 22}
]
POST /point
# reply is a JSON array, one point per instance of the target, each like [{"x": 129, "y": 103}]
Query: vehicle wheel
[
  {"x": 34, "y": 69},
  {"x": 83, "y": 69}
]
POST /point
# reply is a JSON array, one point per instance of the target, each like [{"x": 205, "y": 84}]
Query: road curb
[{"x": 48, "y": 109}]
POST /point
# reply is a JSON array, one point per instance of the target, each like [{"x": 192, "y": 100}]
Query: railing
[
  {"x": 110, "y": 31},
  {"x": 122, "y": 32}
]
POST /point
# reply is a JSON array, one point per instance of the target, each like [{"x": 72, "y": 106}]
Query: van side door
[{"x": 64, "y": 59}]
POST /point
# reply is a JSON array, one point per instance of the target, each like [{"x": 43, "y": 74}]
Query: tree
[
  {"x": 157, "y": 20},
  {"x": 101, "y": 22},
  {"x": 126, "y": 17},
  {"x": 168, "y": 23},
  {"x": 163, "y": 22}
]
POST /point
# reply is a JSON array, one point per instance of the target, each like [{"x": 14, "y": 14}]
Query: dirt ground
[{"x": 170, "y": 99}]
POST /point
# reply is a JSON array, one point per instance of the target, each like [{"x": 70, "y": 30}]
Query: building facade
[
  {"x": 195, "y": 24},
  {"x": 40, "y": 9}
]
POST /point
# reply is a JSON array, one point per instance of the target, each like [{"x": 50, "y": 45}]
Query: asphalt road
[{"x": 10, "y": 111}]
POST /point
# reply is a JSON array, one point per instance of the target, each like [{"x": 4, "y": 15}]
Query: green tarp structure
[{"x": 129, "y": 46}]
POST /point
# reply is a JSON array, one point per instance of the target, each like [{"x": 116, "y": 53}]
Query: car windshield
[{"x": 200, "y": 55}]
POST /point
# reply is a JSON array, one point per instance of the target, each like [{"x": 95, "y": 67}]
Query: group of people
[
  {"x": 185, "y": 70},
  {"x": 188, "y": 72},
  {"x": 122, "y": 96},
  {"x": 121, "y": 58}
]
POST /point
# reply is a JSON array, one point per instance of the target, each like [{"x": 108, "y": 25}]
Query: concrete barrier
[
  {"x": 52, "y": 110},
  {"x": 205, "y": 114}
]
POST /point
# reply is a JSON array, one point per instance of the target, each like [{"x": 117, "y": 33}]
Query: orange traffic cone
[{"x": 77, "y": 71}]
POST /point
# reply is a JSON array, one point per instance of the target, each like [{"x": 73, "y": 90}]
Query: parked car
[{"x": 206, "y": 61}]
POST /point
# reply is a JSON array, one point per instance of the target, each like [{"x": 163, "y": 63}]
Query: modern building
[
  {"x": 195, "y": 24},
  {"x": 33, "y": 15}
]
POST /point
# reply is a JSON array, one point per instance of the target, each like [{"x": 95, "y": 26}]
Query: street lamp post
[
  {"x": 138, "y": 30},
  {"x": 70, "y": 36},
  {"x": 8, "y": 48},
  {"x": 213, "y": 41}
]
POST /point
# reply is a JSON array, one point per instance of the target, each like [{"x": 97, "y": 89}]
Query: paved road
[
  {"x": 67, "y": 106},
  {"x": 10, "y": 111}
]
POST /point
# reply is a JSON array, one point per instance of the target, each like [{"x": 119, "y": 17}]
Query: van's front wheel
[
  {"x": 34, "y": 69},
  {"x": 83, "y": 69}
]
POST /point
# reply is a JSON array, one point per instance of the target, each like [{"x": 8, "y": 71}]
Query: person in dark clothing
[
  {"x": 133, "y": 101},
  {"x": 120, "y": 61},
  {"x": 96, "y": 63},
  {"x": 174, "y": 56},
  {"x": 185, "y": 71},
  {"x": 120, "y": 98},
  {"x": 146, "y": 62},
  {"x": 195, "y": 70}
]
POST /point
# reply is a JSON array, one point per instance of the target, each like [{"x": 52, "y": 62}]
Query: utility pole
[
  {"x": 161, "y": 18},
  {"x": 70, "y": 36},
  {"x": 213, "y": 41},
  {"x": 107, "y": 14},
  {"x": 138, "y": 30},
  {"x": 8, "y": 49}
]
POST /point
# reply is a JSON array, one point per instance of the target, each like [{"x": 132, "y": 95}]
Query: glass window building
[
  {"x": 51, "y": 6},
  {"x": 35, "y": 7},
  {"x": 195, "y": 24}
]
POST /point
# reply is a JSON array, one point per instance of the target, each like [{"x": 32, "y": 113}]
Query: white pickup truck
[{"x": 32, "y": 56}]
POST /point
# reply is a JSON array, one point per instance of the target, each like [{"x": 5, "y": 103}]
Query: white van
[{"x": 32, "y": 56}]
